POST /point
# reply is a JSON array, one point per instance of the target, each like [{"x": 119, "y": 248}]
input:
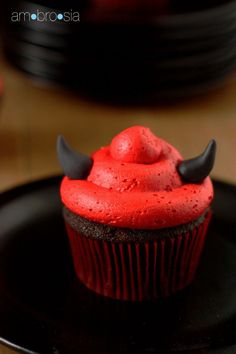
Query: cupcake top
[{"x": 139, "y": 181}]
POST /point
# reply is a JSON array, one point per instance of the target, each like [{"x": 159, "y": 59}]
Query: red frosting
[{"x": 134, "y": 183}]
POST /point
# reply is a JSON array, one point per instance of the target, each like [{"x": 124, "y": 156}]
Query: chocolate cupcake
[{"x": 136, "y": 214}]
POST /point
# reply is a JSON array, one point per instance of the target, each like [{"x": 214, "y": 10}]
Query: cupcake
[{"x": 136, "y": 214}]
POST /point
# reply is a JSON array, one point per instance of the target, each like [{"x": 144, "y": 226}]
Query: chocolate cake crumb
[{"x": 99, "y": 231}]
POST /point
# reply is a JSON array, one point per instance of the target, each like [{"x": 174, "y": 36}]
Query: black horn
[
  {"x": 198, "y": 168},
  {"x": 74, "y": 164}
]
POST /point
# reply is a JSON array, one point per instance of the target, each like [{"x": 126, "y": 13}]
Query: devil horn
[
  {"x": 198, "y": 168},
  {"x": 75, "y": 165}
]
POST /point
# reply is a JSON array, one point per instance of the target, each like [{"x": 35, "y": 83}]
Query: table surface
[{"x": 32, "y": 115}]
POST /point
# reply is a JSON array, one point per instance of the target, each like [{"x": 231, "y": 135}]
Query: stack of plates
[{"x": 122, "y": 57}]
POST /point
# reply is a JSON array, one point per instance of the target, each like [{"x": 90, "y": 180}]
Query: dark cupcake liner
[{"x": 138, "y": 270}]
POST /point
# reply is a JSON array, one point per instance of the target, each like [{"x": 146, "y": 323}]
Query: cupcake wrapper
[{"x": 138, "y": 271}]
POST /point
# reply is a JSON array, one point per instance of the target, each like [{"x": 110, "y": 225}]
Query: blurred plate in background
[{"x": 141, "y": 55}]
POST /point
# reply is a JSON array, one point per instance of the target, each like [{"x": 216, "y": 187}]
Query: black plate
[
  {"x": 98, "y": 48},
  {"x": 45, "y": 309},
  {"x": 156, "y": 30},
  {"x": 114, "y": 76},
  {"x": 128, "y": 58},
  {"x": 147, "y": 86}
]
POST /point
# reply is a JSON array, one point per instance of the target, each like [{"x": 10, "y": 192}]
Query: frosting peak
[
  {"x": 136, "y": 160},
  {"x": 137, "y": 145}
]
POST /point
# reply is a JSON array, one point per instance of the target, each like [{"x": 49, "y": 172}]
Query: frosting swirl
[{"x": 135, "y": 183}]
